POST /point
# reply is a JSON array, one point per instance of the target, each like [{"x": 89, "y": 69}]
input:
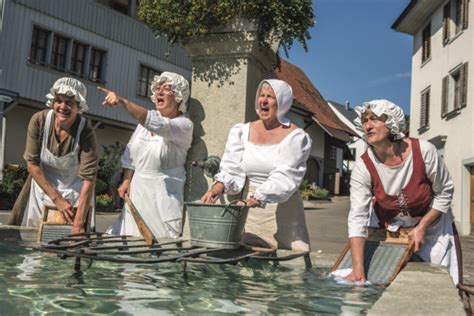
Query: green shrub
[
  {"x": 100, "y": 187},
  {"x": 320, "y": 193},
  {"x": 311, "y": 190},
  {"x": 104, "y": 202},
  {"x": 109, "y": 163},
  {"x": 14, "y": 177}
]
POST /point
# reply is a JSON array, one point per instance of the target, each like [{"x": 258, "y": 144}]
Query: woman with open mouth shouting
[
  {"x": 61, "y": 156},
  {"x": 271, "y": 153},
  {"x": 154, "y": 158}
]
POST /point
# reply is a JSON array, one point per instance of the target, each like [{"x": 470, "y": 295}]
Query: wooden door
[{"x": 312, "y": 171}]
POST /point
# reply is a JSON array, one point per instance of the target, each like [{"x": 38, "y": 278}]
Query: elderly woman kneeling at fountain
[
  {"x": 154, "y": 159},
  {"x": 271, "y": 153},
  {"x": 400, "y": 182}
]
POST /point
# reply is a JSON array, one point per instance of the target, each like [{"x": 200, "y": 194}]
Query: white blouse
[
  {"x": 275, "y": 170},
  {"x": 393, "y": 179},
  {"x": 172, "y": 138}
]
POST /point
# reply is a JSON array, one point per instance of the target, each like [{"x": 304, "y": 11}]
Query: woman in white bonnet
[
  {"x": 400, "y": 182},
  {"x": 271, "y": 153},
  {"x": 154, "y": 158},
  {"x": 61, "y": 156}
]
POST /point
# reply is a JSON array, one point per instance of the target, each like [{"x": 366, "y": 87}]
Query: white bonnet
[
  {"x": 179, "y": 85},
  {"x": 395, "y": 117},
  {"x": 69, "y": 87},
  {"x": 284, "y": 96}
]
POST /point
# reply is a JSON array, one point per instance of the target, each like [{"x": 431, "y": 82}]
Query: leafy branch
[{"x": 180, "y": 20}]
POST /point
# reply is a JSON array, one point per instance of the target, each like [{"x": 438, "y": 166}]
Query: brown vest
[{"x": 414, "y": 198}]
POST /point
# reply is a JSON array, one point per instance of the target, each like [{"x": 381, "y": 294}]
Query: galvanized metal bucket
[{"x": 216, "y": 225}]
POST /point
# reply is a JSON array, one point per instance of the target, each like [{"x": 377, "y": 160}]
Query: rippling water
[{"x": 35, "y": 283}]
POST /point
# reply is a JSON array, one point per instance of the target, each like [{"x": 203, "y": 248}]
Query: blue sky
[{"x": 354, "y": 54}]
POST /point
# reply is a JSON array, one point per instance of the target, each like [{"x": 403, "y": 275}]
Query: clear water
[{"x": 32, "y": 282}]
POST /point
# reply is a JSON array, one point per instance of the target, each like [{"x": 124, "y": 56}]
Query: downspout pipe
[
  {"x": 7, "y": 102},
  {"x": 3, "y": 129}
]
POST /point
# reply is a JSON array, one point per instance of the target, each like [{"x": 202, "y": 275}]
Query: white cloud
[{"x": 387, "y": 79}]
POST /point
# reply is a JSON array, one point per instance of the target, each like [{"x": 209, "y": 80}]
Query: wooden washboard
[
  {"x": 53, "y": 226},
  {"x": 385, "y": 254}
]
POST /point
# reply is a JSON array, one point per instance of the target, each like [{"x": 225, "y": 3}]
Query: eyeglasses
[{"x": 165, "y": 89}]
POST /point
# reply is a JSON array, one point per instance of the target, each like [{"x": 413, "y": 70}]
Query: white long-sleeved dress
[
  {"x": 157, "y": 153},
  {"x": 439, "y": 246},
  {"x": 274, "y": 173}
]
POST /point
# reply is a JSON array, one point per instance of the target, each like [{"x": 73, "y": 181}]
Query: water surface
[{"x": 32, "y": 282}]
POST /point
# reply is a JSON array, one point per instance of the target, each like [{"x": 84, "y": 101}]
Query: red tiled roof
[{"x": 306, "y": 94}]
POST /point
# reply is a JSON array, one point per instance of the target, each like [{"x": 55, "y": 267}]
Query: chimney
[{"x": 348, "y": 106}]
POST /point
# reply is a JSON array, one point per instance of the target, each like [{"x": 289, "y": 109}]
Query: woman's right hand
[
  {"x": 66, "y": 209},
  {"x": 209, "y": 197},
  {"x": 124, "y": 188},
  {"x": 213, "y": 194},
  {"x": 357, "y": 275},
  {"x": 111, "y": 98}
]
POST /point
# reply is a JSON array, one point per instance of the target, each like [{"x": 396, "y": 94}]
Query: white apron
[
  {"x": 156, "y": 194},
  {"x": 61, "y": 172},
  {"x": 439, "y": 246}
]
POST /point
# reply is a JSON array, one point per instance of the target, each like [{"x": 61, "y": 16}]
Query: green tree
[{"x": 179, "y": 20}]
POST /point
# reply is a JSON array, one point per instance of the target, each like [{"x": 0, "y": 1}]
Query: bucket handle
[{"x": 234, "y": 202}]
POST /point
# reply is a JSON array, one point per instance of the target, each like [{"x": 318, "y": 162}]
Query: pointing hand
[{"x": 111, "y": 98}]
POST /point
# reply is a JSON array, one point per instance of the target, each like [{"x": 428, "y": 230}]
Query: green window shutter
[
  {"x": 464, "y": 84},
  {"x": 446, "y": 21},
  {"x": 423, "y": 110},
  {"x": 444, "y": 96},
  {"x": 465, "y": 13}
]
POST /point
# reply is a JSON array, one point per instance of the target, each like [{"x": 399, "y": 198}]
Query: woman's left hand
[
  {"x": 253, "y": 202},
  {"x": 417, "y": 234}
]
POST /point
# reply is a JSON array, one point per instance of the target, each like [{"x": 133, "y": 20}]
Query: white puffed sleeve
[
  {"x": 290, "y": 169},
  {"x": 441, "y": 182},
  {"x": 361, "y": 197},
  {"x": 231, "y": 173},
  {"x": 178, "y": 130},
  {"x": 127, "y": 160}
]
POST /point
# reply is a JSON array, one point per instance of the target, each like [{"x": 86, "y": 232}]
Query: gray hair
[{"x": 179, "y": 85}]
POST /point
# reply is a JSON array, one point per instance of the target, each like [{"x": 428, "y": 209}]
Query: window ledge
[
  {"x": 425, "y": 62},
  {"x": 452, "y": 39},
  {"x": 423, "y": 129},
  {"x": 56, "y": 70},
  {"x": 452, "y": 114}
]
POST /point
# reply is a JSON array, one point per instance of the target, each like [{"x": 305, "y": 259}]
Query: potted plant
[{"x": 310, "y": 191}]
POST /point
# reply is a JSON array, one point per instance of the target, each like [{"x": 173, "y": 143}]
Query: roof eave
[{"x": 414, "y": 15}]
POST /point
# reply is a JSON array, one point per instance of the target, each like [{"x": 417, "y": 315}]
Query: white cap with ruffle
[
  {"x": 69, "y": 87},
  {"x": 179, "y": 85},
  {"x": 284, "y": 96},
  {"x": 395, "y": 117}
]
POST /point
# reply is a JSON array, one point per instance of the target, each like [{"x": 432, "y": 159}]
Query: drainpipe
[{"x": 4, "y": 100}]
